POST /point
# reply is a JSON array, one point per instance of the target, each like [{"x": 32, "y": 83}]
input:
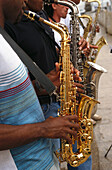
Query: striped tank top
[{"x": 19, "y": 105}]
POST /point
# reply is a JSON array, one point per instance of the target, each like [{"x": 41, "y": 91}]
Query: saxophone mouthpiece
[{"x": 31, "y": 15}]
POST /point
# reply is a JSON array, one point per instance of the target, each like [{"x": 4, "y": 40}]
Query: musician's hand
[
  {"x": 80, "y": 87},
  {"x": 97, "y": 28},
  {"x": 90, "y": 28},
  {"x": 83, "y": 44},
  {"x": 54, "y": 75},
  {"x": 87, "y": 51},
  {"x": 60, "y": 127},
  {"x": 75, "y": 73},
  {"x": 85, "y": 47}
]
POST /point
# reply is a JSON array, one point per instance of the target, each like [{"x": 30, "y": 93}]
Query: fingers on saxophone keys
[
  {"x": 79, "y": 90},
  {"x": 73, "y": 132},
  {"x": 67, "y": 137},
  {"x": 77, "y": 78},
  {"x": 73, "y": 125},
  {"x": 68, "y": 132},
  {"x": 93, "y": 46},
  {"x": 81, "y": 41},
  {"x": 86, "y": 51},
  {"x": 83, "y": 45},
  {"x": 72, "y": 117},
  {"x": 78, "y": 85}
]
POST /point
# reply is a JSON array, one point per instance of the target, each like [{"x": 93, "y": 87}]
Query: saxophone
[
  {"x": 101, "y": 42},
  {"x": 93, "y": 32},
  {"x": 68, "y": 105},
  {"x": 93, "y": 71},
  {"x": 90, "y": 80}
]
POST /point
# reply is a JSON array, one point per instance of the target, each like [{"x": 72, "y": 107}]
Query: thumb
[
  {"x": 57, "y": 66},
  {"x": 93, "y": 46}
]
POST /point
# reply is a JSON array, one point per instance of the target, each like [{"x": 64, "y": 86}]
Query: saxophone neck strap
[{"x": 34, "y": 69}]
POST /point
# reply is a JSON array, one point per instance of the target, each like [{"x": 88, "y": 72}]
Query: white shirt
[{"x": 66, "y": 22}]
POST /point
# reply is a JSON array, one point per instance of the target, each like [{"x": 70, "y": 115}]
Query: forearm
[{"x": 14, "y": 136}]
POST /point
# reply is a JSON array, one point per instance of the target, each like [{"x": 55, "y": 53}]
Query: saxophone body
[{"x": 92, "y": 73}]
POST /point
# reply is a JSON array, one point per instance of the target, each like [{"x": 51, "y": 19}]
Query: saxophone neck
[
  {"x": 87, "y": 28},
  {"x": 33, "y": 16}
]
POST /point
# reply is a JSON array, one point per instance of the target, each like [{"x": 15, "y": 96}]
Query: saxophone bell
[{"x": 92, "y": 78}]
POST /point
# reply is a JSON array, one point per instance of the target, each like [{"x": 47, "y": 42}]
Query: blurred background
[{"x": 86, "y": 6}]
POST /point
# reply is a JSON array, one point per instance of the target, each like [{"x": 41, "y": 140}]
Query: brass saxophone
[
  {"x": 90, "y": 80},
  {"x": 92, "y": 71},
  {"x": 68, "y": 104},
  {"x": 101, "y": 42},
  {"x": 93, "y": 32}
]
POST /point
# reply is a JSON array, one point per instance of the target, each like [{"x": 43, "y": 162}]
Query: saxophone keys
[
  {"x": 87, "y": 151},
  {"x": 75, "y": 160}
]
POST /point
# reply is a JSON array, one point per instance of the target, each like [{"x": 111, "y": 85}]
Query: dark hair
[{"x": 48, "y": 8}]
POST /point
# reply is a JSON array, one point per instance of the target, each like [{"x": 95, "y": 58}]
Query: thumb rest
[{"x": 68, "y": 104}]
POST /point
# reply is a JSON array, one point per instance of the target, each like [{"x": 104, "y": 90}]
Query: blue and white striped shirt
[{"x": 19, "y": 105}]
